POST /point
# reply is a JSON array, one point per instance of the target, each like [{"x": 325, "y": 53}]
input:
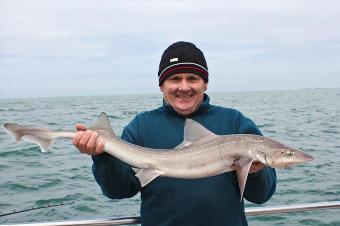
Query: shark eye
[{"x": 290, "y": 153}]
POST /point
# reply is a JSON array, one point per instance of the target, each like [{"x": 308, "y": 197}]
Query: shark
[{"x": 201, "y": 154}]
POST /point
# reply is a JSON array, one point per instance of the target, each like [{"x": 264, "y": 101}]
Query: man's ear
[
  {"x": 161, "y": 88},
  {"x": 205, "y": 86}
]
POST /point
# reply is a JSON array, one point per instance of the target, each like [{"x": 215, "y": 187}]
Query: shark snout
[
  {"x": 285, "y": 158},
  {"x": 303, "y": 157}
]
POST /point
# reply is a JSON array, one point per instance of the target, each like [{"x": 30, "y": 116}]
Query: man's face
[{"x": 184, "y": 92}]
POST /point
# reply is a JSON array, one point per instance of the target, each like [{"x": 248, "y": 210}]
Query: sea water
[{"x": 307, "y": 119}]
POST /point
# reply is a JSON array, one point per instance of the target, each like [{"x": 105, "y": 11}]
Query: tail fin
[
  {"x": 10, "y": 129},
  {"x": 44, "y": 137},
  {"x": 38, "y": 136}
]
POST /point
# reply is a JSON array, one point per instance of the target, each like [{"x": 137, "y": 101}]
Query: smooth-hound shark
[{"x": 201, "y": 154}]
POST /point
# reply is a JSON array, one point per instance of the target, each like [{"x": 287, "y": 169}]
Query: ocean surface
[{"x": 308, "y": 119}]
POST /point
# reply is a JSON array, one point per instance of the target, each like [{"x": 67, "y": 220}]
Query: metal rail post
[{"x": 136, "y": 220}]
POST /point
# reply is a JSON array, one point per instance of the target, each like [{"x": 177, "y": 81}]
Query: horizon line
[{"x": 159, "y": 93}]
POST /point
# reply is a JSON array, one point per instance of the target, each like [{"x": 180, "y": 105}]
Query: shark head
[
  {"x": 278, "y": 155},
  {"x": 288, "y": 157}
]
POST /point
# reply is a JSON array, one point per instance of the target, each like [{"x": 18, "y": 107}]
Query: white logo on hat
[{"x": 173, "y": 60}]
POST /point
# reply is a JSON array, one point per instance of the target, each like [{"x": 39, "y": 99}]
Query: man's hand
[
  {"x": 87, "y": 141},
  {"x": 256, "y": 166}
]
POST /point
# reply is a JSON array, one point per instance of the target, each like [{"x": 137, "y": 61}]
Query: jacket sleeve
[
  {"x": 116, "y": 179},
  {"x": 260, "y": 186}
]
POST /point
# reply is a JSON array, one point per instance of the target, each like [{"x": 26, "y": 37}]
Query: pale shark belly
[{"x": 193, "y": 165}]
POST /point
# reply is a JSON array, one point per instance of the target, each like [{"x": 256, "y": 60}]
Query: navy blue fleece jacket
[{"x": 181, "y": 202}]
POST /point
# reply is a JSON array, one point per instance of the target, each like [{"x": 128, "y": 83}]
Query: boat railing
[{"x": 252, "y": 211}]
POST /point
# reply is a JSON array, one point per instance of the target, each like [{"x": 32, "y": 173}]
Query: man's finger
[
  {"x": 100, "y": 146},
  {"x": 76, "y": 138},
  {"x": 80, "y": 127},
  {"x": 256, "y": 166},
  {"x": 91, "y": 144},
  {"x": 83, "y": 140}
]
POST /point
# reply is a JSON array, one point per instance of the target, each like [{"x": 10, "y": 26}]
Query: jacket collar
[{"x": 202, "y": 108}]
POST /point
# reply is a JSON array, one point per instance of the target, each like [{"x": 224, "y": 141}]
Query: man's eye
[
  {"x": 193, "y": 78},
  {"x": 174, "y": 78}
]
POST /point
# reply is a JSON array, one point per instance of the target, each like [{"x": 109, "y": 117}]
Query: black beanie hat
[{"x": 182, "y": 57}]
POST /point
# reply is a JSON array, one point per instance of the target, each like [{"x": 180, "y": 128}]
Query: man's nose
[{"x": 184, "y": 85}]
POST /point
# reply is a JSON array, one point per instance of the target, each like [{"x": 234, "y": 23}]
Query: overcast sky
[{"x": 102, "y": 47}]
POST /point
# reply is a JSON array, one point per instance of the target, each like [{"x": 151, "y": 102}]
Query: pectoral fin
[
  {"x": 242, "y": 167},
  {"x": 145, "y": 176}
]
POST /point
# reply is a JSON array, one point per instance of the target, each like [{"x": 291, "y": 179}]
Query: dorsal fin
[
  {"x": 195, "y": 133},
  {"x": 103, "y": 123}
]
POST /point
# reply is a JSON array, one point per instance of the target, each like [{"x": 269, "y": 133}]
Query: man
[{"x": 183, "y": 79}]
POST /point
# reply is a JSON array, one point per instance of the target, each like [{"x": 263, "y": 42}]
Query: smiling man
[
  {"x": 183, "y": 79},
  {"x": 184, "y": 92}
]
